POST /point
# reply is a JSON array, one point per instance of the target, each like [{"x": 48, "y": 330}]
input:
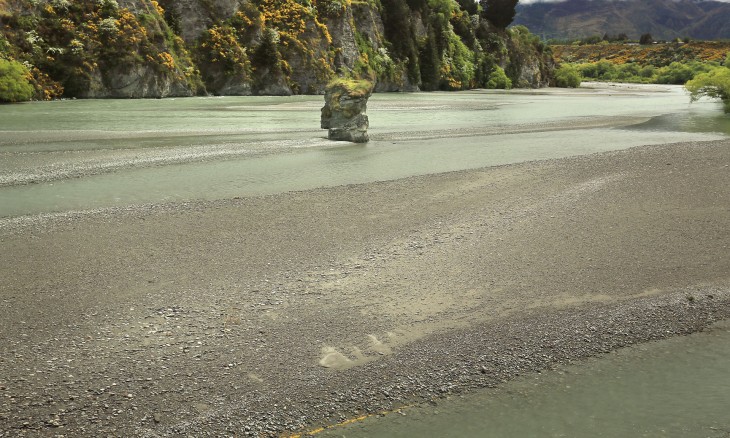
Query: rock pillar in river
[{"x": 343, "y": 114}]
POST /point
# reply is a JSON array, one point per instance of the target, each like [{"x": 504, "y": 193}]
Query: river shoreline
[{"x": 280, "y": 314}]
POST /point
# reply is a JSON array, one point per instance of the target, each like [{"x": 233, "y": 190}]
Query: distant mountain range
[{"x": 663, "y": 19}]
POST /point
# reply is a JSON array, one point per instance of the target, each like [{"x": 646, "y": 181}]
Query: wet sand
[{"x": 281, "y": 314}]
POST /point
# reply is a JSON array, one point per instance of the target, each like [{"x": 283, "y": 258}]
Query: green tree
[
  {"x": 400, "y": 32},
  {"x": 646, "y": 39},
  {"x": 14, "y": 84},
  {"x": 499, "y": 12},
  {"x": 430, "y": 63},
  {"x": 267, "y": 54},
  {"x": 714, "y": 84},
  {"x": 469, "y": 6}
]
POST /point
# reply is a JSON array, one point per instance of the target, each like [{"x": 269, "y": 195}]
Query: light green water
[
  {"x": 79, "y": 155},
  {"x": 674, "y": 388}
]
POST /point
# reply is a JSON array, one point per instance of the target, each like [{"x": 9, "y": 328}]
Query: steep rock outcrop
[
  {"x": 391, "y": 75},
  {"x": 529, "y": 63},
  {"x": 342, "y": 31},
  {"x": 343, "y": 114}
]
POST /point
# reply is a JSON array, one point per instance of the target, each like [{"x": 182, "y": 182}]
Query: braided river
[{"x": 100, "y": 155}]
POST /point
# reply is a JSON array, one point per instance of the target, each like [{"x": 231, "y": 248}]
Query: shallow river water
[
  {"x": 677, "y": 388},
  {"x": 88, "y": 154}
]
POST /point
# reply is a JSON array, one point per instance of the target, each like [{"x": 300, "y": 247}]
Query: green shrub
[
  {"x": 601, "y": 70},
  {"x": 498, "y": 79},
  {"x": 14, "y": 84},
  {"x": 4, "y": 46},
  {"x": 567, "y": 76},
  {"x": 374, "y": 63},
  {"x": 330, "y": 8},
  {"x": 714, "y": 84},
  {"x": 457, "y": 65},
  {"x": 675, "y": 73},
  {"x": 648, "y": 71},
  {"x": 627, "y": 72},
  {"x": 679, "y": 73},
  {"x": 524, "y": 49},
  {"x": 267, "y": 55}
]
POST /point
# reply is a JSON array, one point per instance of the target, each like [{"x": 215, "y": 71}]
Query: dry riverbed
[{"x": 272, "y": 315}]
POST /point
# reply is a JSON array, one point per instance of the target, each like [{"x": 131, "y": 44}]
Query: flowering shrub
[
  {"x": 223, "y": 48},
  {"x": 299, "y": 31}
]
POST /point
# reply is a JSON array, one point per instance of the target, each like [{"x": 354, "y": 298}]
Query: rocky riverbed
[{"x": 276, "y": 315}]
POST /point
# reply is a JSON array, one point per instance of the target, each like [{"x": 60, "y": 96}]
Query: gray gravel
[{"x": 281, "y": 314}]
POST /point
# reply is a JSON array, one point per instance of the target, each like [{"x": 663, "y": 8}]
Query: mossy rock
[
  {"x": 354, "y": 88},
  {"x": 344, "y": 110}
]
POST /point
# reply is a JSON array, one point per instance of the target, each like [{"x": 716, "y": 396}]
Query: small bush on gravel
[{"x": 14, "y": 84}]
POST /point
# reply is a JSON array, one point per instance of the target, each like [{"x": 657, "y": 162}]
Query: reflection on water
[
  {"x": 674, "y": 388},
  {"x": 78, "y": 155}
]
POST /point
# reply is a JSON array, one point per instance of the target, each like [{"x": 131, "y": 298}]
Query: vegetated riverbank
[
  {"x": 664, "y": 63},
  {"x": 264, "y": 315},
  {"x": 657, "y": 55}
]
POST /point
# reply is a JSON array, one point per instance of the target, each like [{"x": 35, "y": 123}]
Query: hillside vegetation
[
  {"x": 142, "y": 48},
  {"x": 657, "y": 55},
  {"x": 703, "y": 67},
  {"x": 669, "y": 63}
]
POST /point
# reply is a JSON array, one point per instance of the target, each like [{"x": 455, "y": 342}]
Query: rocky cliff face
[
  {"x": 142, "y": 48},
  {"x": 133, "y": 81},
  {"x": 528, "y": 62}
]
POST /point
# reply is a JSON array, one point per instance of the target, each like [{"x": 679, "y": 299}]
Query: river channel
[
  {"x": 676, "y": 388},
  {"x": 89, "y": 154}
]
